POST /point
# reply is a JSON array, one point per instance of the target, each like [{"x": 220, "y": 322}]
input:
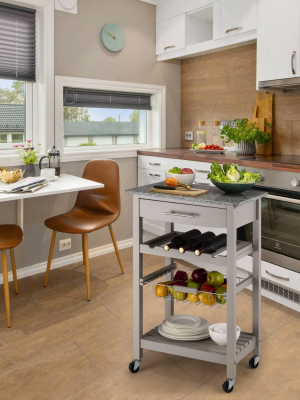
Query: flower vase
[
  {"x": 245, "y": 149},
  {"x": 29, "y": 170}
]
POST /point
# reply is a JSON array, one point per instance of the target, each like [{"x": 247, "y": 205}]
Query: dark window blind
[
  {"x": 17, "y": 43},
  {"x": 102, "y": 99}
]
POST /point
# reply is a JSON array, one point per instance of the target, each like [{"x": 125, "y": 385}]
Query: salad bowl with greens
[{"x": 230, "y": 179}]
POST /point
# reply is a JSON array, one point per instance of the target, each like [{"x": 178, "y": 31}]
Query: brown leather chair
[
  {"x": 93, "y": 210},
  {"x": 10, "y": 237}
]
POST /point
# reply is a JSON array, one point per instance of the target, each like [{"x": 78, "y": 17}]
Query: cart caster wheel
[
  {"x": 228, "y": 386},
  {"x": 253, "y": 362},
  {"x": 134, "y": 366}
]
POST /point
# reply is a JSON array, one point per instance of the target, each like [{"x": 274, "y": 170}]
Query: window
[
  {"x": 17, "y": 72},
  {"x": 104, "y": 118}
]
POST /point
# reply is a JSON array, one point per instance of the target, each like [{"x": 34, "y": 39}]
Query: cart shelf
[{"x": 205, "y": 350}]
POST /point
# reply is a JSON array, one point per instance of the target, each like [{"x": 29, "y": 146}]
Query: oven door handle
[
  {"x": 280, "y": 198},
  {"x": 283, "y": 278}
]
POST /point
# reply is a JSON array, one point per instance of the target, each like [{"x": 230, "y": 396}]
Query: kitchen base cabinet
[{"x": 229, "y": 218}]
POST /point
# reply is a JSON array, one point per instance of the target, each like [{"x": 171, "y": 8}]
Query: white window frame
[
  {"x": 156, "y": 121},
  {"x": 40, "y": 126}
]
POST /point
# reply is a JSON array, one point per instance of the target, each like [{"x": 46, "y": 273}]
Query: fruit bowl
[
  {"x": 233, "y": 188},
  {"x": 188, "y": 179},
  {"x": 218, "y": 333}
]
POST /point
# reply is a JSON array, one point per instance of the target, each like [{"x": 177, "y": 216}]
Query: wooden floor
[{"x": 62, "y": 347}]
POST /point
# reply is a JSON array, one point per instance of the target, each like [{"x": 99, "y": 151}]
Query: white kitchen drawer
[
  {"x": 273, "y": 273},
  {"x": 183, "y": 213},
  {"x": 152, "y": 174},
  {"x": 155, "y": 163}
]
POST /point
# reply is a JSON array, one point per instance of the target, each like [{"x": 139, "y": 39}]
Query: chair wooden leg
[
  {"x": 50, "y": 257},
  {"x": 14, "y": 271},
  {"x": 87, "y": 265},
  {"x": 116, "y": 247},
  {"x": 6, "y": 287},
  {"x": 83, "y": 250}
]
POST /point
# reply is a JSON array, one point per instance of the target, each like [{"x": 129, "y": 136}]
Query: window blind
[
  {"x": 102, "y": 99},
  {"x": 17, "y": 43}
]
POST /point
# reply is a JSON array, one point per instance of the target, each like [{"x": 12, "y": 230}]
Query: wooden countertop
[{"x": 274, "y": 162}]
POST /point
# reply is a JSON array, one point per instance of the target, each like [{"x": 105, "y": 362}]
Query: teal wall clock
[{"x": 113, "y": 37}]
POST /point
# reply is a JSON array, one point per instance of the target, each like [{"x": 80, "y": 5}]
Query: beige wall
[
  {"x": 79, "y": 53},
  {"x": 222, "y": 85}
]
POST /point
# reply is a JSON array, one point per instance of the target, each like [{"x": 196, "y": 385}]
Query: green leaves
[
  {"x": 244, "y": 132},
  {"x": 175, "y": 170},
  {"x": 230, "y": 174}
]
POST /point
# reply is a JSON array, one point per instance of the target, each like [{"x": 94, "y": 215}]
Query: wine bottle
[
  {"x": 196, "y": 242},
  {"x": 180, "y": 240},
  {"x": 212, "y": 245}
]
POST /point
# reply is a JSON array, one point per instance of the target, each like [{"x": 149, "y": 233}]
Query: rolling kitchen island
[{"x": 212, "y": 210}]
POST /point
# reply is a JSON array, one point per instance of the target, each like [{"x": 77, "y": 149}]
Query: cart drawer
[{"x": 183, "y": 213}]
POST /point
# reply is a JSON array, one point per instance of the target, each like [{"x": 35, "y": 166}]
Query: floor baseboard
[{"x": 70, "y": 259}]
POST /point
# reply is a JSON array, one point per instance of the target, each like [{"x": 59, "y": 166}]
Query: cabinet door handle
[
  {"x": 292, "y": 63},
  {"x": 154, "y": 164},
  {"x": 283, "y": 278},
  {"x": 202, "y": 171},
  {"x": 170, "y": 47},
  {"x": 175, "y": 214},
  {"x": 156, "y": 175},
  {"x": 239, "y": 28}
]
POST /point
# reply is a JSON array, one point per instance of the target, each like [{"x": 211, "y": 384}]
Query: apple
[
  {"x": 185, "y": 171},
  {"x": 207, "y": 288},
  {"x": 181, "y": 276},
  {"x": 219, "y": 295},
  {"x": 199, "y": 275},
  {"x": 215, "y": 278},
  {"x": 178, "y": 283},
  {"x": 193, "y": 285}
]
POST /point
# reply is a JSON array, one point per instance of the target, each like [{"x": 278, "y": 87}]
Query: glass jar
[
  {"x": 216, "y": 138},
  {"x": 201, "y": 133}
]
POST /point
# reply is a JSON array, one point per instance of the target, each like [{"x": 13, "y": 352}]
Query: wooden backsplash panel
[{"x": 223, "y": 86}]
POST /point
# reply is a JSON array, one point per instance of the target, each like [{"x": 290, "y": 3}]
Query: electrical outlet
[
  {"x": 64, "y": 244},
  {"x": 189, "y": 135}
]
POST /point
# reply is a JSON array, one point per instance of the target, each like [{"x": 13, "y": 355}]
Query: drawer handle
[
  {"x": 156, "y": 175},
  {"x": 174, "y": 214},
  {"x": 170, "y": 47},
  {"x": 292, "y": 62},
  {"x": 239, "y": 28},
  {"x": 202, "y": 183},
  {"x": 154, "y": 164},
  {"x": 283, "y": 278},
  {"x": 202, "y": 171}
]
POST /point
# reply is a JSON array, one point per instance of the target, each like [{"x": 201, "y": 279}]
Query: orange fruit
[
  {"x": 224, "y": 285},
  {"x": 161, "y": 289},
  {"x": 193, "y": 298},
  {"x": 207, "y": 298}
]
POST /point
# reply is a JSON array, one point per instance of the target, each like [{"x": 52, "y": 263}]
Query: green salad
[
  {"x": 175, "y": 170},
  {"x": 230, "y": 174}
]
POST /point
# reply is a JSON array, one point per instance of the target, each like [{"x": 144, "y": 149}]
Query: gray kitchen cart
[{"x": 213, "y": 210}]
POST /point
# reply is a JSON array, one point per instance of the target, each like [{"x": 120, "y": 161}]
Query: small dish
[
  {"x": 188, "y": 179},
  {"x": 219, "y": 336}
]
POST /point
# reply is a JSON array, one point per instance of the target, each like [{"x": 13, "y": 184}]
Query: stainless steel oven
[{"x": 280, "y": 220}]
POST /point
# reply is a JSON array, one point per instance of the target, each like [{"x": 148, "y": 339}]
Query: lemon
[{"x": 201, "y": 145}]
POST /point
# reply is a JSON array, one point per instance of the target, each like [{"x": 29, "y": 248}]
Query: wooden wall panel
[{"x": 222, "y": 85}]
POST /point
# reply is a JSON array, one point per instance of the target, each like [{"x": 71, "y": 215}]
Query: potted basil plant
[{"x": 245, "y": 136}]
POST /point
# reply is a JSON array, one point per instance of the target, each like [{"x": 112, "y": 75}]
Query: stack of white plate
[{"x": 184, "y": 327}]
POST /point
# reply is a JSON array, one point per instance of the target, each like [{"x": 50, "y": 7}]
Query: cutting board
[
  {"x": 259, "y": 122},
  {"x": 264, "y": 104},
  {"x": 181, "y": 192}
]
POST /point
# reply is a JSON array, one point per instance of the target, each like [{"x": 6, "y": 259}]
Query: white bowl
[
  {"x": 218, "y": 333},
  {"x": 188, "y": 179}
]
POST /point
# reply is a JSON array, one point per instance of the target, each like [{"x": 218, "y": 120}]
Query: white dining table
[{"x": 64, "y": 184}]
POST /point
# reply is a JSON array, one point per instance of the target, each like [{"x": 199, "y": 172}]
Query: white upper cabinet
[
  {"x": 170, "y": 34},
  {"x": 278, "y": 39},
  {"x": 236, "y": 17}
]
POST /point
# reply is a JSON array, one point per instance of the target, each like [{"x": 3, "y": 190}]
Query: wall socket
[
  {"x": 189, "y": 135},
  {"x": 64, "y": 244}
]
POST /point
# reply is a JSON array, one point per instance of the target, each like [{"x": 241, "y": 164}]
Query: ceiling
[{"x": 155, "y": 2}]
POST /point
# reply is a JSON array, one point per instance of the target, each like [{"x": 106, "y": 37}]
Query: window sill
[{"x": 100, "y": 154}]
